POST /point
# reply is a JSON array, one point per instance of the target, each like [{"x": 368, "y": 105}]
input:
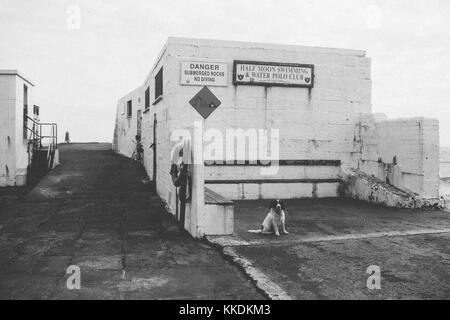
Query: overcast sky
[{"x": 81, "y": 72}]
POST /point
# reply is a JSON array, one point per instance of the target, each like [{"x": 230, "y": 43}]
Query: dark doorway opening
[
  {"x": 25, "y": 111},
  {"x": 154, "y": 150}
]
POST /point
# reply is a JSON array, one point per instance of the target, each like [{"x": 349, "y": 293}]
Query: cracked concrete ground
[
  {"x": 94, "y": 212},
  {"x": 331, "y": 244}
]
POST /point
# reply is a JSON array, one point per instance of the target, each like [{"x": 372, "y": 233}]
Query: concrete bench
[
  {"x": 290, "y": 179},
  {"x": 219, "y": 217},
  {"x": 252, "y": 189}
]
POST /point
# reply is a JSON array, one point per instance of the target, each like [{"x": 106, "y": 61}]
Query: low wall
[
  {"x": 402, "y": 152},
  {"x": 358, "y": 185},
  {"x": 219, "y": 214}
]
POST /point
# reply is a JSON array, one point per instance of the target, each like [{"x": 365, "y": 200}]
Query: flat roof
[
  {"x": 12, "y": 72},
  {"x": 259, "y": 45}
]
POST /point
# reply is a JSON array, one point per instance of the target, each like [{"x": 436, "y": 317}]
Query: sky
[{"x": 83, "y": 55}]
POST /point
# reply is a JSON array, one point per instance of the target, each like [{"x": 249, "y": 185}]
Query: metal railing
[{"x": 42, "y": 135}]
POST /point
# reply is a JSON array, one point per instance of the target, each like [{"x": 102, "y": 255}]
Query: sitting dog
[{"x": 274, "y": 221}]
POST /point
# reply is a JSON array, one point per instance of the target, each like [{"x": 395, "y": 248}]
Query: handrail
[
  {"x": 36, "y": 133},
  {"x": 32, "y": 120}
]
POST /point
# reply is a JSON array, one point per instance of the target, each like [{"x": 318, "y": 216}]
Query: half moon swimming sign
[{"x": 273, "y": 74}]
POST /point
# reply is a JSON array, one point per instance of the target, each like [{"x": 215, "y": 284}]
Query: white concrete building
[
  {"x": 16, "y": 99},
  {"x": 317, "y": 99},
  {"x": 20, "y": 132}
]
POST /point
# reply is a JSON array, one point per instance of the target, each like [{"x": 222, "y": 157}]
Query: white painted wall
[
  {"x": 7, "y": 130},
  {"x": 127, "y": 126},
  {"x": 415, "y": 144},
  {"x": 13, "y": 148},
  {"x": 21, "y": 143},
  {"x": 125, "y": 130},
  {"x": 313, "y": 125}
]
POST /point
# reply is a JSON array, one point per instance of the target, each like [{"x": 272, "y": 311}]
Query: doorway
[
  {"x": 139, "y": 123},
  {"x": 154, "y": 150},
  {"x": 25, "y": 111}
]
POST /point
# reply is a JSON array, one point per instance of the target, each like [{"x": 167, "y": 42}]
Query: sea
[{"x": 444, "y": 172}]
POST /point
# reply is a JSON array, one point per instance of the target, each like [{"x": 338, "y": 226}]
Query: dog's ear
[
  {"x": 283, "y": 205},
  {"x": 273, "y": 204}
]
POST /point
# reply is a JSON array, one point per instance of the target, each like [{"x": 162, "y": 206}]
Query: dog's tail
[{"x": 254, "y": 231}]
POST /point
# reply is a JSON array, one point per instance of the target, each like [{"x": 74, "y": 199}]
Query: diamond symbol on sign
[{"x": 205, "y": 102}]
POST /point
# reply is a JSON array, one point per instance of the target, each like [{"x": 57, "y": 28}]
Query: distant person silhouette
[{"x": 67, "y": 138}]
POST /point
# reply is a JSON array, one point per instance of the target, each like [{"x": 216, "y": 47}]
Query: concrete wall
[
  {"x": 13, "y": 148},
  {"x": 125, "y": 129},
  {"x": 21, "y": 143},
  {"x": 313, "y": 124},
  {"x": 362, "y": 186},
  {"x": 413, "y": 142},
  {"x": 7, "y": 130},
  {"x": 127, "y": 126},
  {"x": 316, "y": 124}
]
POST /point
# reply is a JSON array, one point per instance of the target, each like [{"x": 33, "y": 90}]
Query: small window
[
  {"x": 147, "y": 98},
  {"x": 159, "y": 84},
  {"x": 129, "y": 108}
]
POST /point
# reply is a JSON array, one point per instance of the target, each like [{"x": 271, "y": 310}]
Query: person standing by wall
[{"x": 67, "y": 137}]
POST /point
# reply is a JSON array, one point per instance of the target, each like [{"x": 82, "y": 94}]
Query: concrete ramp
[{"x": 359, "y": 185}]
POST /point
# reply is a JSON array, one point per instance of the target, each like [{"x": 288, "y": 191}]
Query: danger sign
[{"x": 198, "y": 73}]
